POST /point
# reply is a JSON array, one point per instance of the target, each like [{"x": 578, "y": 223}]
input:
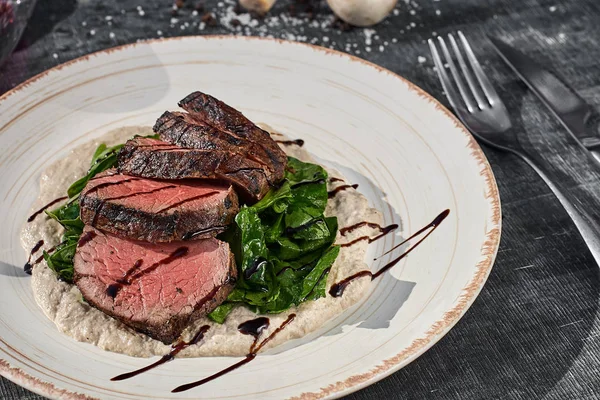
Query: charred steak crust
[
  {"x": 183, "y": 130},
  {"x": 203, "y": 210},
  {"x": 216, "y": 113},
  {"x": 155, "y": 159},
  {"x": 159, "y": 322}
]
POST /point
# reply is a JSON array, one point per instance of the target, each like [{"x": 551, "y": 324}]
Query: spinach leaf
[
  {"x": 103, "y": 159},
  {"x": 283, "y": 244}
]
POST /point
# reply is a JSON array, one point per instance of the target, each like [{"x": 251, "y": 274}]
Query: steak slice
[
  {"x": 152, "y": 158},
  {"x": 183, "y": 130},
  {"x": 215, "y": 113},
  {"x": 157, "y": 289},
  {"x": 155, "y": 210}
]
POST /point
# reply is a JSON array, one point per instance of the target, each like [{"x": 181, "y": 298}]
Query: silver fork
[{"x": 484, "y": 114}]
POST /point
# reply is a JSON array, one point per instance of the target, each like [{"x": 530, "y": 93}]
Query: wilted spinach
[{"x": 283, "y": 244}]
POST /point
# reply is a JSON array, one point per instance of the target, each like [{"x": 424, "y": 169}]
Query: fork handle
[{"x": 587, "y": 226}]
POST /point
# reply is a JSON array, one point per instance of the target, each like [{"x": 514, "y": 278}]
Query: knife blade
[{"x": 578, "y": 117}]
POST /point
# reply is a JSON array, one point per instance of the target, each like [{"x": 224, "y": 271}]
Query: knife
[{"x": 578, "y": 117}]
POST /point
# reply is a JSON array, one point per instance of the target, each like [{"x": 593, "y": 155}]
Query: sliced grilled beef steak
[
  {"x": 153, "y": 158},
  {"x": 183, "y": 130},
  {"x": 157, "y": 289},
  {"x": 215, "y": 113},
  {"x": 157, "y": 210}
]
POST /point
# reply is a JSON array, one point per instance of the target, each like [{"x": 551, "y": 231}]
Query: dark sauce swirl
[
  {"x": 175, "y": 349},
  {"x": 297, "y": 142},
  {"x": 249, "y": 328},
  {"x": 337, "y": 289},
  {"x": 41, "y": 210}
]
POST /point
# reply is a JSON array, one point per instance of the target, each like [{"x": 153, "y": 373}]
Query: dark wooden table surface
[{"x": 533, "y": 333}]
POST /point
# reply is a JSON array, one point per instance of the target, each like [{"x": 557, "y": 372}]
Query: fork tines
[{"x": 481, "y": 93}]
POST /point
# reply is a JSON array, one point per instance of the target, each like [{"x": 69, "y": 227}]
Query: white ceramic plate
[{"x": 409, "y": 155}]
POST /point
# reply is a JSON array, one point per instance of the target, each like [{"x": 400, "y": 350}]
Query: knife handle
[{"x": 587, "y": 226}]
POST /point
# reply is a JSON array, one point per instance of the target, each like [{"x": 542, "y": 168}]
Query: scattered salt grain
[
  {"x": 381, "y": 48},
  {"x": 394, "y": 40},
  {"x": 93, "y": 32},
  {"x": 159, "y": 32},
  {"x": 194, "y": 13},
  {"x": 368, "y": 49},
  {"x": 108, "y": 17},
  {"x": 325, "y": 39},
  {"x": 84, "y": 23},
  {"x": 421, "y": 59},
  {"x": 412, "y": 24},
  {"x": 412, "y": 12},
  {"x": 111, "y": 35},
  {"x": 438, "y": 12},
  {"x": 174, "y": 21},
  {"x": 396, "y": 11},
  {"x": 55, "y": 55},
  {"x": 368, "y": 36},
  {"x": 141, "y": 13}
]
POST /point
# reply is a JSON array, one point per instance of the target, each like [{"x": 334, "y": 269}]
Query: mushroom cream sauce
[{"x": 64, "y": 305}]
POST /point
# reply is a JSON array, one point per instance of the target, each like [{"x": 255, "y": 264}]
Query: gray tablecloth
[{"x": 533, "y": 333}]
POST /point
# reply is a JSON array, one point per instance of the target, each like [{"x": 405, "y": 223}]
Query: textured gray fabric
[{"x": 533, "y": 333}]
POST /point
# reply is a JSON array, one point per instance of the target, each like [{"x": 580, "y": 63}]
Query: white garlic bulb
[{"x": 362, "y": 12}]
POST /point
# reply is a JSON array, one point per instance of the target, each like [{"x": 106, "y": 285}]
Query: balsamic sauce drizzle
[
  {"x": 302, "y": 227},
  {"x": 337, "y": 289},
  {"x": 254, "y": 349},
  {"x": 296, "y": 185},
  {"x": 86, "y": 237},
  {"x": 175, "y": 349},
  {"x": 331, "y": 194},
  {"x": 108, "y": 184},
  {"x": 297, "y": 142},
  {"x": 254, "y": 327},
  {"x": 28, "y": 266},
  {"x": 373, "y": 225},
  {"x": 41, "y": 210},
  {"x": 191, "y": 235},
  {"x": 187, "y": 200},
  {"x": 256, "y": 265},
  {"x": 125, "y": 196},
  {"x": 292, "y": 268},
  {"x": 113, "y": 289},
  {"x": 384, "y": 231}
]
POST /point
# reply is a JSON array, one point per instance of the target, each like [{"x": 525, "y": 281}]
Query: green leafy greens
[{"x": 283, "y": 244}]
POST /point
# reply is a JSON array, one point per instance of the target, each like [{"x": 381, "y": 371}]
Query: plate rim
[{"x": 388, "y": 366}]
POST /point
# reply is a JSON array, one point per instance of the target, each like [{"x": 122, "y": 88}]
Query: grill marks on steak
[
  {"x": 135, "y": 259},
  {"x": 182, "y": 129},
  {"x": 157, "y": 211},
  {"x": 233, "y": 127},
  {"x": 222, "y": 116},
  {"x": 162, "y": 287},
  {"x": 152, "y": 158}
]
